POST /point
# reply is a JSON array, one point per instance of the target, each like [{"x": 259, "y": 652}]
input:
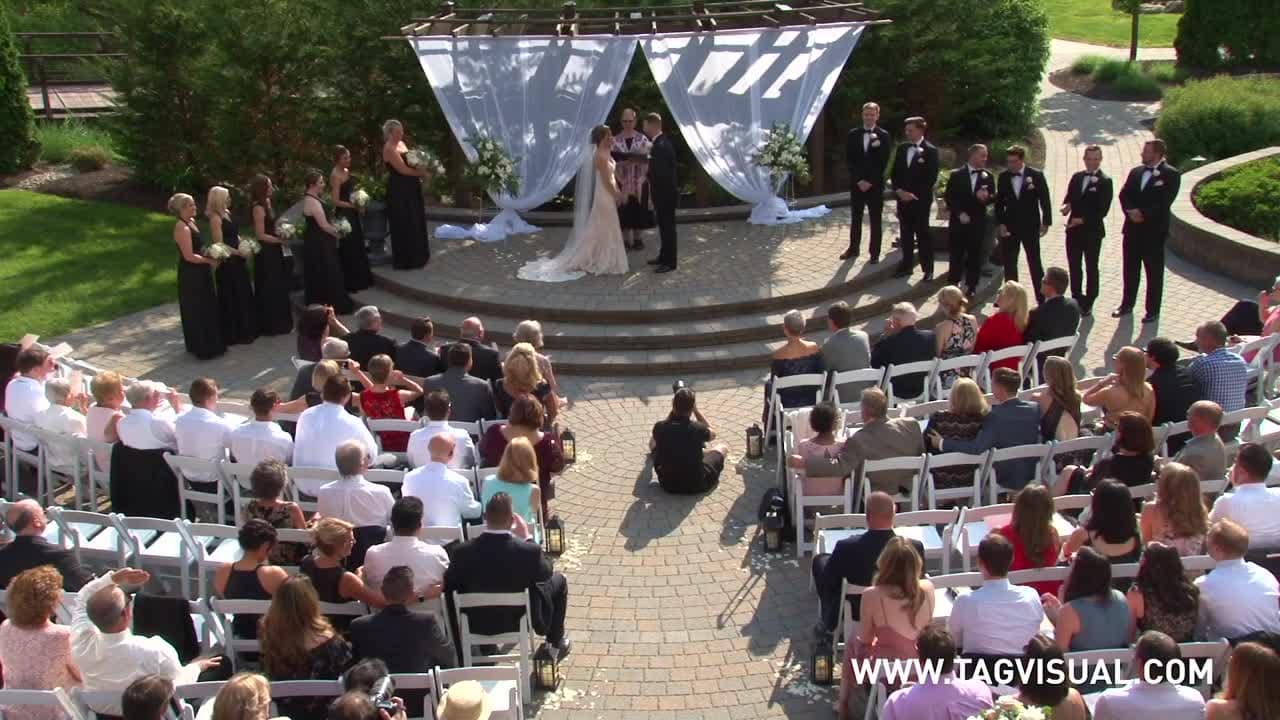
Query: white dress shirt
[
  {"x": 1238, "y": 598},
  {"x": 996, "y": 619},
  {"x": 24, "y": 399},
  {"x": 446, "y": 496},
  {"x": 112, "y": 661},
  {"x": 464, "y": 451},
  {"x": 259, "y": 440},
  {"x": 64, "y": 421},
  {"x": 1256, "y": 508},
  {"x": 427, "y": 561},
  {"x": 322, "y": 429},
  {"x": 356, "y": 500},
  {"x": 203, "y": 434},
  {"x": 1141, "y": 699},
  {"x": 143, "y": 430}
]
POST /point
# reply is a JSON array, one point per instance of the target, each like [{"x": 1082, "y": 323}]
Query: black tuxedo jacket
[
  {"x": 485, "y": 362},
  {"x": 1030, "y": 208},
  {"x": 26, "y": 552},
  {"x": 922, "y": 174},
  {"x": 868, "y": 165},
  {"x": 908, "y": 345},
  {"x": 854, "y": 561},
  {"x": 418, "y": 359},
  {"x": 961, "y": 194},
  {"x": 497, "y": 563},
  {"x": 1154, "y": 200},
  {"x": 365, "y": 344},
  {"x": 1054, "y": 318},
  {"x": 1090, "y": 202},
  {"x": 662, "y": 169},
  {"x": 407, "y": 641}
]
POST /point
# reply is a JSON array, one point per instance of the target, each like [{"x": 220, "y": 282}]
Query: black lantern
[
  {"x": 546, "y": 669},
  {"x": 773, "y": 524},
  {"x": 553, "y": 536},
  {"x": 824, "y": 659},
  {"x": 568, "y": 446},
  {"x": 755, "y": 442}
]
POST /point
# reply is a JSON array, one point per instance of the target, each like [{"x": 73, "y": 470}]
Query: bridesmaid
[
  {"x": 197, "y": 302},
  {"x": 270, "y": 273},
  {"x": 235, "y": 292},
  {"x": 321, "y": 268},
  {"x": 406, "y": 211},
  {"x": 633, "y": 208},
  {"x": 355, "y": 259}
]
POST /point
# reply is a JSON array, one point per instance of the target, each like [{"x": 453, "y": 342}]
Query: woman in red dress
[
  {"x": 386, "y": 398},
  {"x": 1035, "y": 541},
  {"x": 1005, "y": 328}
]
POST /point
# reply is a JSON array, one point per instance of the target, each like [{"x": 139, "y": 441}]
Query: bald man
[
  {"x": 447, "y": 497},
  {"x": 29, "y": 549},
  {"x": 485, "y": 362}
]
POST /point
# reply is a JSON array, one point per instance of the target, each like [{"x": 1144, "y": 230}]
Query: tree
[
  {"x": 17, "y": 123},
  {"x": 1134, "y": 8}
]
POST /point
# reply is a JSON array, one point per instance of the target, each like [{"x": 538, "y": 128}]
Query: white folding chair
[
  {"x": 211, "y": 546},
  {"x": 440, "y": 534},
  {"x": 965, "y": 365},
  {"x": 922, "y": 411},
  {"x": 155, "y": 545},
  {"x": 16, "y": 456},
  {"x": 293, "y": 689},
  {"x": 927, "y": 368},
  {"x": 203, "y": 691},
  {"x": 297, "y": 362},
  {"x": 49, "y": 446},
  {"x": 237, "y": 477},
  {"x": 98, "y": 461},
  {"x": 864, "y": 378},
  {"x": 1096, "y": 445},
  {"x": 191, "y": 471},
  {"x": 972, "y": 526},
  {"x": 56, "y": 698},
  {"x": 1250, "y": 420},
  {"x": 1072, "y": 502},
  {"x": 305, "y": 484},
  {"x": 1052, "y": 573},
  {"x": 1260, "y": 364},
  {"x": 972, "y": 493},
  {"x": 485, "y": 424},
  {"x": 916, "y": 465},
  {"x": 876, "y": 699},
  {"x": 800, "y": 501},
  {"x": 794, "y": 428},
  {"x": 480, "y": 474},
  {"x": 817, "y": 381},
  {"x": 381, "y": 425},
  {"x": 1038, "y": 452},
  {"x": 423, "y": 684},
  {"x": 520, "y": 639},
  {"x": 392, "y": 478},
  {"x": 473, "y": 428},
  {"x": 1016, "y": 352},
  {"x": 93, "y": 537},
  {"x": 922, "y": 526},
  {"x": 86, "y": 700},
  {"x": 1041, "y": 349},
  {"x": 224, "y": 612},
  {"x": 845, "y": 624},
  {"x": 502, "y": 687},
  {"x": 1145, "y": 491}
]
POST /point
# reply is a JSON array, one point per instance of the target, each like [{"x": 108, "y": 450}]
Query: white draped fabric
[
  {"x": 538, "y": 97},
  {"x": 727, "y": 89}
]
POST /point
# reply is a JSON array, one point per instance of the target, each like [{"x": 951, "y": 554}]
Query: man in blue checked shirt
[{"x": 1223, "y": 375}]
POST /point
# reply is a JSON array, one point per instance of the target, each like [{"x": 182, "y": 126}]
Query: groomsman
[
  {"x": 970, "y": 189},
  {"x": 1146, "y": 197},
  {"x": 867, "y": 149},
  {"x": 1024, "y": 215},
  {"x": 915, "y": 172},
  {"x": 1086, "y": 204}
]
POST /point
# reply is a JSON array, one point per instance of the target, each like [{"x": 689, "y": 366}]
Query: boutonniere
[
  {"x": 1092, "y": 189},
  {"x": 1029, "y": 184},
  {"x": 1155, "y": 172},
  {"x": 920, "y": 157},
  {"x": 875, "y": 142},
  {"x": 1093, "y": 179},
  {"x": 1159, "y": 183}
]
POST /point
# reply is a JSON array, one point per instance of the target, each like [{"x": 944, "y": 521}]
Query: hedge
[
  {"x": 1220, "y": 117},
  {"x": 1246, "y": 198}
]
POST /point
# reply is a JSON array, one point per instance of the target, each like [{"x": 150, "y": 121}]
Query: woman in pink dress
[
  {"x": 631, "y": 150},
  {"x": 35, "y": 653},
  {"x": 823, "y": 421}
]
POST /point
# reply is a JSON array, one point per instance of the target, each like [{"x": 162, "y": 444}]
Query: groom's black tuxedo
[
  {"x": 916, "y": 172},
  {"x": 1152, "y": 191},
  {"x": 1088, "y": 198},
  {"x": 967, "y": 233},
  {"x": 664, "y": 189},
  {"x": 867, "y": 152}
]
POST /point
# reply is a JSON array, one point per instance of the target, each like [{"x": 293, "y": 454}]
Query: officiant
[{"x": 631, "y": 151}]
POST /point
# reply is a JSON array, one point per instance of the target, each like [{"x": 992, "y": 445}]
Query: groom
[{"x": 663, "y": 190}]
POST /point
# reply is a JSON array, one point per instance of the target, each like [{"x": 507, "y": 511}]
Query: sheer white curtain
[
  {"x": 538, "y": 97},
  {"x": 727, "y": 89}
]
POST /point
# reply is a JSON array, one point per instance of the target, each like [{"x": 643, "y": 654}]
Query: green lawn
[
  {"x": 68, "y": 264},
  {"x": 1093, "y": 21}
]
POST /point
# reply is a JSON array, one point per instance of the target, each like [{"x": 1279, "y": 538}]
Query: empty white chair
[
  {"x": 1039, "y": 453},
  {"x": 157, "y": 545},
  {"x": 974, "y": 525},
  {"x": 520, "y": 640},
  {"x": 914, "y": 464},
  {"x": 16, "y": 456},
  {"x": 926, "y": 368},
  {"x": 971, "y": 493},
  {"x": 211, "y": 546},
  {"x": 425, "y": 686},
  {"x": 502, "y": 687},
  {"x": 199, "y": 483},
  {"x": 864, "y": 378},
  {"x": 94, "y": 538},
  {"x": 815, "y": 381}
]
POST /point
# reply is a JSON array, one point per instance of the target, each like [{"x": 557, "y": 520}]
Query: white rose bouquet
[
  {"x": 218, "y": 251},
  {"x": 1008, "y": 708},
  {"x": 343, "y": 226},
  {"x": 782, "y": 154},
  {"x": 493, "y": 171},
  {"x": 421, "y": 159},
  {"x": 286, "y": 231},
  {"x": 360, "y": 198},
  {"x": 250, "y": 246}
]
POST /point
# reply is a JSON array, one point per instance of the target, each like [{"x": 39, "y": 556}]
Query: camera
[
  {"x": 677, "y": 386},
  {"x": 381, "y": 694}
]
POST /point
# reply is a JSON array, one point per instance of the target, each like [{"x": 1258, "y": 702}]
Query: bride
[{"x": 595, "y": 244}]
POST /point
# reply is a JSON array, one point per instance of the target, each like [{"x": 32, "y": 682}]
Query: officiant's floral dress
[{"x": 633, "y": 211}]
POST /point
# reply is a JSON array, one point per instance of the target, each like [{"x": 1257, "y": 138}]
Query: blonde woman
[
  {"x": 406, "y": 211},
  {"x": 108, "y": 400},
  {"x": 1250, "y": 693},
  {"x": 246, "y": 696},
  {"x": 326, "y": 567},
  {"x": 1177, "y": 517},
  {"x": 522, "y": 378},
  {"x": 518, "y": 477},
  {"x": 956, "y": 333},
  {"x": 1125, "y": 390},
  {"x": 962, "y": 420},
  {"x": 1005, "y": 329},
  {"x": 236, "y": 305},
  {"x": 197, "y": 300},
  {"x": 530, "y": 331}
]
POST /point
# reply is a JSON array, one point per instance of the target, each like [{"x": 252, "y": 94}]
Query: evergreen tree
[{"x": 17, "y": 123}]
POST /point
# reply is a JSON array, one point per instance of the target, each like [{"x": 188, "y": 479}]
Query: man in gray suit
[
  {"x": 1204, "y": 452},
  {"x": 846, "y": 349},
  {"x": 1010, "y": 423},
  {"x": 878, "y": 438},
  {"x": 472, "y": 397}
]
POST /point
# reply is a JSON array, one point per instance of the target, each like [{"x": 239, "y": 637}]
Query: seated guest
[
  {"x": 29, "y": 549},
  {"x": 1125, "y": 390},
  {"x": 1174, "y": 388},
  {"x": 1007, "y": 326},
  {"x": 446, "y": 495},
  {"x": 877, "y": 439},
  {"x": 853, "y": 560},
  {"x": 1031, "y": 532},
  {"x": 471, "y": 397},
  {"x": 1132, "y": 460},
  {"x": 107, "y": 388},
  {"x": 526, "y": 421},
  {"x": 1238, "y": 598},
  {"x": 1112, "y": 528},
  {"x": 517, "y": 476},
  {"x": 1065, "y": 701},
  {"x": 1250, "y": 692},
  {"x": 1222, "y": 375},
  {"x": 1161, "y": 597},
  {"x": 323, "y": 428},
  {"x": 956, "y": 333},
  {"x": 962, "y": 420},
  {"x": 1253, "y": 505},
  {"x": 998, "y": 618},
  {"x": 846, "y": 349},
  {"x": 1152, "y": 693},
  {"x": 462, "y": 701},
  {"x": 823, "y": 419},
  {"x": 497, "y": 562},
  {"x": 522, "y": 378},
  {"x": 682, "y": 459},
  {"x": 1204, "y": 452},
  {"x": 904, "y": 343},
  {"x": 384, "y": 398},
  {"x": 797, "y": 357},
  {"x": 1011, "y": 422},
  {"x": 366, "y": 505},
  {"x": 408, "y": 641},
  {"x": 1059, "y": 402},
  {"x": 944, "y": 697},
  {"x": 315, "y": 325},
  {"x": 334, "y": 349},
  {"x": 24, "y": 397},
  {"x": 367, "y": 340},
  {"x": 326, "y": 567},
  {"x": 64, "y": 416},
  {"x": 1058, "y": 316},
  {"x": 34, "y": 652},
  {"x": 1091, "y": 614},
  {"x": 142, "y": 429},
  {"x": 150, "y": 697},
  {"x": 203, "y": 433},
  {"x": 427, "y": 560},
  {"x": 318, "y": 374},
  {"x": 530, "y": 331},
  {"x": 262, "y": 438},
  {"x": 266, "y": 485},
  {"x": 439, "y": 410},
  {"x": 1177, "y": 516},
  {"x": 486, "y": 363},
  {"x": 416, "y": 357},
  {"x": 246, "y": 696},
  {"x": 250, "y": 577},
  {"x": 299, "y": 643}
]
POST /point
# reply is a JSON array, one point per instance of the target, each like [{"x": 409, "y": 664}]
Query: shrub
[
  {"x": 1246, "y": 198},
  {"x": 58, "y": 140},
  {"x": 1224, "y": 34},
  {"x": 88, "y": 158},
  {"x": 1220, "y": 117},
  {"x": 1086, "y": 64},
  {"x": 1138, "y": 86},
  {"x": 1164, "y": 72},
  {"x": 18, "y": 148},
  {"x": 1108, "y": 71}
]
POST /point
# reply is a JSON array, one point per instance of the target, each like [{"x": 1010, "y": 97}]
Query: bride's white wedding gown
[{"x": 600, "y": 251}]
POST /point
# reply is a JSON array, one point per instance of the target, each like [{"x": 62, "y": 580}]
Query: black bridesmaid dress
[
  {"x": 351, "y": 250},
  {"x": 407, "y": 220},
  {"x": 198, "y": 304},
  {"x": 235, "y": 292},
  {"x": 271, "y": 283},
  {"x": 322, "y": 270}
]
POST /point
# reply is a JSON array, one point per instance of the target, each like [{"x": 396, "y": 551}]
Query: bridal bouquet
[
  {"x": 218, "y": 251},
  {"x": 493, "y": 171},
  {"x": 360, "y": 198},
  {"x": 286, "y": 231},
  {"x": 250, "y": 246},
  {"x": 343, "y": 226},
  {"x": 424, "y": 160},
  {"x": 783, "y": 154},
  {"x": 1008, "y": 708}
]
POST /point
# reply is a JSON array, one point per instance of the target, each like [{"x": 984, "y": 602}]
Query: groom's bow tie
[
  {"x": 872, "y": 131},
  {"x": 1017, "y": 174}
]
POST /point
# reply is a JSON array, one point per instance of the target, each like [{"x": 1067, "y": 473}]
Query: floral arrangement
[
  {"x": 424, "y": 160},
  {"x": 286, "y": 230},
  {"x": 1009, "y": 708},
  {"x": 218, "y": 251},
  {"x": 782, "y": 154},
  {"x": 360, "y": 198},
  {"x": 343, "y": 226},
  {"x": 494, "y": 170},
  {"x": 250, "y": 246}
]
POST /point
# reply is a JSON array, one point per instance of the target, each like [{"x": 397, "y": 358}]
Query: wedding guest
[
  {"x": 351, "y": 250},
  {"x": 323, "y": 428},
  {"x": 107, "y": 388},
  {"x": 1125, "y": 390},
  {"x": 486, "y": 362},
  {"x": 1253, "y": 505},
  {"x": 150, "y": 697},
  {"x": 251, "y": 577},
  {"x": 530, "y": 331},
  {"x": 521, "y": 378},
  {"x": 797, "y": 357},
  {"x": 1204, "y": 452},
  {"x": 1176, "y": 516},
  {"x": 1005, "y": 328},
  {"x": 24, "y": 396},
  {"x": 29, "y": 548},
  {"x": 1250, "y": 692},
  {"x": 879, "y": 437},
  {"x": 1174, "y": 388},
  {"x": 1091, "y": 614},
  {"x": 272, "y": 266},
  {"x": 1023, "y": 215},
  {"x": 915, "y": 174},
  {"x": 517, "y": 476},
  {"x": 1059, "y": 404},
  {"x": 438, "y": 410},
  {"x": 236, "y": 306},
  {"x": 1010, "y": 422},
  {"x": 1146, "y": 197},
  {"x": 406, "y": 211},
  {"x": 867, "y": 151},
  {"x": 64, "y": 417},
  {"x": 1132, "y": 459},
  {"x": 526, "y": 421},
  {"x": 409, "y": 641},
  {"x": 246, "y": 696},
  {"x": 387, "y": 397},
  {"x": 1223, "y": 376},
  {"x": 352, "y": 498},
  {"x": 261, "y": 438},
  {"x": 846, "y": 348},
  {"x": 266, "y": 485},
  {"x": 1031, "y": 532},
  {"x": 941, "y": 697},
  {"x": 1065, "y": 702},
  {"x": 315, "y": 325},
  {"x": 304, "y": 380},
  {"x": 321, "y": 264},
  {"x": 326, "y": 568},
  {"x": 1057, "y": 316},
  {"x": 1112, "y": 528},
  {"x": 962, "y": 420},
  {"x": 971, "y": 188},
  {"x": 201, "y": 431},
  {"x": 1239, "y": 598},
  {"x": 1153, "y": 692},
  {"x": 1085, "y": 205},
  {"x": 823, "y": 419},
  {"x": 317, "y": 375},
  {"x": 428, "y": 561},
  {"x": 1161, "y": 597},
  {"x": 368, "y": 339},
  {"x": 197, "y": 299},
  {"x": 416, "y": 357},
  {"x": 471, "y": 397},
  {"x": 299, "y": 643},
  {"x": 955, "y": 333},
  {"x": 631, "y": 151},
  {"x": 446, "y": 494},
  {"x": 903, "y": 343},
  {"x": 997, "y": 618},
  {"x": 34, "y": 652},
  {"x": 142, "y": 429}
]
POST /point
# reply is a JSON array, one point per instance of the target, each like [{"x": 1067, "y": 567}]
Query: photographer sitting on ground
[{"x": 682, "y": 464}]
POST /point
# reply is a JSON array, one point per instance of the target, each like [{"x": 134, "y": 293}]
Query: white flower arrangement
[
  {"x": 343, "y": 226},
  {"x": 251, "y": 246},
  {"x": 782, "y": 154},
  {"x": 286, "y": 230},
  {"x": 493, "y": 170},
  {"x": 218, "y": 251},
  {"x": 424, "y": 160},
  {"x": 360, "y": 198},
  {"x": 1009, "y": 708}
]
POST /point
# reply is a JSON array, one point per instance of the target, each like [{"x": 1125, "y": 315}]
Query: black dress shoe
[
  {"x": 1150, "y": 318},
  {"x": 1121, "y": 312},
  {"x": 848, "y": 254},
  {"x": 902, "y": 272},
  {"x": 655, "y": 261},
  {"x": 662, "y": 269},
  {"x": 873, "y": 260}
]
